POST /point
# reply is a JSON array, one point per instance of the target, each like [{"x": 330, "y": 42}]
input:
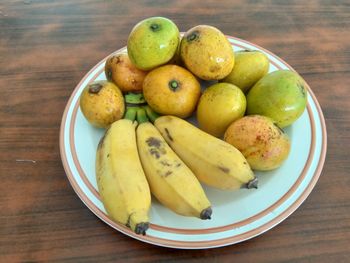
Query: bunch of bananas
[{"x": 167, "y": 157}]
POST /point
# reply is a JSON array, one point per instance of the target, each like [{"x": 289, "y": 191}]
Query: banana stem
[
  {"x": 131, "y": 113},
  {"x": 206, "y": 213},
  {"x": 134, "y": 98},
  {"x": 151, "y": 114},
  {"x": 252, "y": 184},
  {"x": 141, "y": 228},
  {"x": 141, "y": 116}
]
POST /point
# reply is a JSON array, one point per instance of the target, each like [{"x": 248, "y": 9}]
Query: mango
[
  {"x": 280, "y": 95},
  {"x": 102, "y": 103},
  {"x": 260, "y": 140},
  {"x": 207, "y": 53},
  {"x": 250, "y": 66},
  {"x": 153, "y": 42},
  {"x": 219, "y": 106}
]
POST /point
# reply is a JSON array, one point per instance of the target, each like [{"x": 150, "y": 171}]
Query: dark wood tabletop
[{"x": 46, "y": 47}]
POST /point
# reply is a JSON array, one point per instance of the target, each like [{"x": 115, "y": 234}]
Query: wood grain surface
[{"x": 46, "y": 47}]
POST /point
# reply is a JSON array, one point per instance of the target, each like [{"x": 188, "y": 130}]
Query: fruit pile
[{"x": 148, "y": 147}]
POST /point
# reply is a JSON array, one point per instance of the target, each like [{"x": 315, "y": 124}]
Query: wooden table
[{"x": 46, "y": 47}]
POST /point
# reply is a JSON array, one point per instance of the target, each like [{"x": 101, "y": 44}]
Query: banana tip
[
  {"x": 252, "y": 184},
  {"x": 206, "y": 213},
  {"x": 141, "y": 228}
]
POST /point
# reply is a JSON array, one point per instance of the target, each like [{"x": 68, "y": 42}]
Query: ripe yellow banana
[
  {"x": 213, "y": 161},
  {"x": 121, "y": 181},
  {"x": 171, "y": 181}
]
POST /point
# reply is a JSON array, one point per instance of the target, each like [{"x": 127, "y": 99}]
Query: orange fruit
[{"x": 172, "y": 90}]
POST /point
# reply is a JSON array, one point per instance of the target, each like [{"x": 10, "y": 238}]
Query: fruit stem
[
  {"x": 174, "y": 85},
  {"x": 192, "y": 36},
  {"x": 141, "y": 228},
  {"x": 131, "y": 113},
  {"x": 152, "y": 116},
  {"x": 134, "y": 98},
  {"x": 155, "y": 27},
  {"x": 138, "y": 222},
  {"x": 252, "y": 184},
  {"x": 206, "y": 213},
  {"x": 95, "y": 88},
  {"x": 141, "y": 116}
]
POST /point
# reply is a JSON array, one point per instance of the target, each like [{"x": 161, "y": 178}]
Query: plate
[{"x": 237, "y": 215}]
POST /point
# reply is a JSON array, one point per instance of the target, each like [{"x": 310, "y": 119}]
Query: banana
[
  {"x": 121, "y": 181},
  {"x": 171, "y": 181},
  {"x": 214, "y": 162}
]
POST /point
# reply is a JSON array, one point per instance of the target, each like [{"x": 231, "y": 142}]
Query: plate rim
[{"x": 215, "y": 242}]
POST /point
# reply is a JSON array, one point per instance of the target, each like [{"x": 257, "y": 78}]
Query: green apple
[
  {"x": 153, "y": 42},
  {"x": 280, "y": 95}
]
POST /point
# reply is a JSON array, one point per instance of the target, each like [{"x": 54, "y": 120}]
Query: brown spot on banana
[
  {"x": 154, "y": 152},
  {"x": 167, "y": 173},
  {"x": 153, "y": 142},
  {"x": 224, "y": 169},
  {"x": 156, "y": 148},
  {"x": 165, "y": 163},
  {"x": 100, "y": 143},
  {"x": 168, "y": 134}
]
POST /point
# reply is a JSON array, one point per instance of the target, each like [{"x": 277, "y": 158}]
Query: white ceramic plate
[{"x": 237, "y": 215}]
